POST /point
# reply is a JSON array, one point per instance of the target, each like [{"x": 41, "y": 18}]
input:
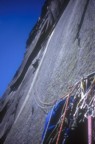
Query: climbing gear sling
[{"x": 75, "y": 111}]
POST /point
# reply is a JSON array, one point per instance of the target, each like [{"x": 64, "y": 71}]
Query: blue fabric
[
  {"x": 53, "y": 117},
  {"x": 46, "y": 123}
]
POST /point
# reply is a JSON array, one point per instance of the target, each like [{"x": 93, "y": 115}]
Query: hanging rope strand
[
  {"x": 82, "y": 102},
  {"x": 67, "y": 101},
  {"x": 57, "y": 125},
  {"x": 60, "y": 130}
]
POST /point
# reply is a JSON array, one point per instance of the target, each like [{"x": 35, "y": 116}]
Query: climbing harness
[{"x": 79, "y": 105}]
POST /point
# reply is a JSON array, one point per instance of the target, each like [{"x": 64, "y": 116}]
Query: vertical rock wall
[{"x": 60, "y": 51}]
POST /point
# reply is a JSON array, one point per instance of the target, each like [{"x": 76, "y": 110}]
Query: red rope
[
  {"x": 67, "y": 101},
  {"x": 60, "y": 130}
]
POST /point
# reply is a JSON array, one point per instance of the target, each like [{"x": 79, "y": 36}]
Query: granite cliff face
[{"x": 60, "y": 50}]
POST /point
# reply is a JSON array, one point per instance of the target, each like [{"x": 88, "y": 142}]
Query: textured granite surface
[{"x": 60, "y": 51}]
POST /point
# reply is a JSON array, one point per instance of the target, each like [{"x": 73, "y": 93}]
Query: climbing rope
[
  {"x": 84, "y": 93},
  {"x": 45, "y": 105},
  {"x": 64, "y": 115},
  {"x": 60, "y": 130},
  {"x": 40, "y": 106},
  {"x": 50, "y": 104},
  {"x": 56, "y": 127}
]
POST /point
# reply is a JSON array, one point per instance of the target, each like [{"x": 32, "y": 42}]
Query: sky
[{"x": 17, "y": 18}]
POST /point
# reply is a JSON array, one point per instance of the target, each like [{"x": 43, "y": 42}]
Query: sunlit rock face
[{"x": 60, "y": 51}]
